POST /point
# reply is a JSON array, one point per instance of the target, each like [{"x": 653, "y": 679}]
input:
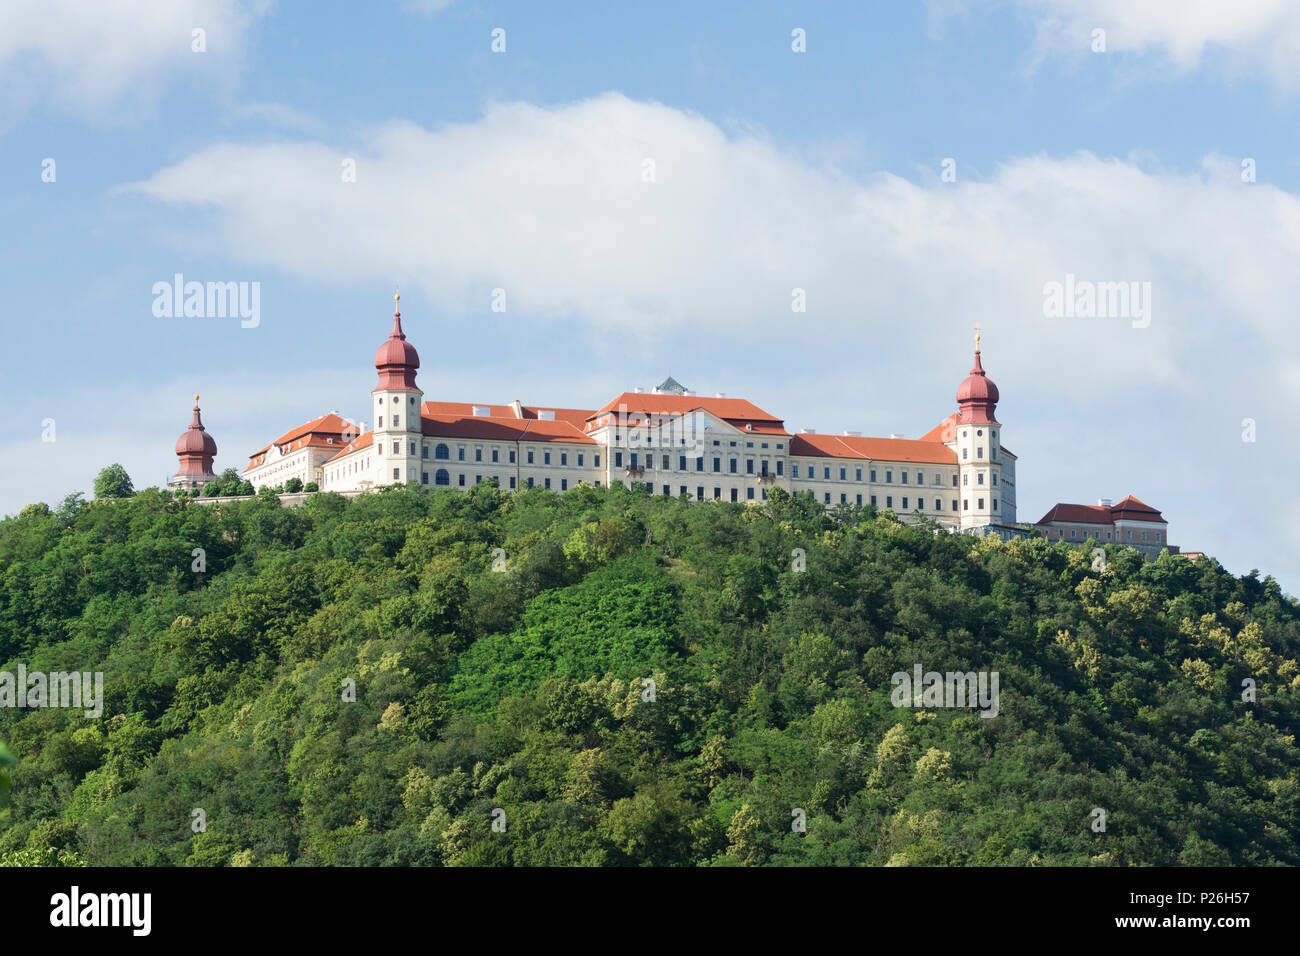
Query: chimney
[
  {"x": 853, "y": 434},
  {"x": 637, "y": 389},
  {"x": 1104, "y": 502},
  {"x": 808, "y": 431},
  {"x": 719, "y": 394},
  {"x": 517, "y": 408},
  {"x": 895, "y": 434}
]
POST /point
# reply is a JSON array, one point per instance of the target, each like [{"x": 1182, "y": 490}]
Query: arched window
[
  {"x": 441, "y": 477},
  {"x": 442, "y": 451}
]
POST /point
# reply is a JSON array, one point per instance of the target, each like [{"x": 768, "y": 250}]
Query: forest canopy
[{"x": 605, "y": 677}]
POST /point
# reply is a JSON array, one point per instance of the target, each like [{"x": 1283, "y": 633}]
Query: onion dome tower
[
  {"x": 196, "y": 449},
  {"x": 977, "y": 396},
  {"x": 398, "y": 402}
]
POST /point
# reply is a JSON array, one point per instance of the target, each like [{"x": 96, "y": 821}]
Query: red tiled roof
[
  {"x": 360, "y": 442},
  {"x": 871, "y": 449},
  {"x": 1129, "y": 508},
  {"x": 574, "y": 416},
  {"x": 946, "y": 430},
  {"x": 734, "y": 411},
  {"x": 485, "y": 428}
]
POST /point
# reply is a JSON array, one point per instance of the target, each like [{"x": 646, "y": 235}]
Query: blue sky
[{"x": 774, "y": 170}]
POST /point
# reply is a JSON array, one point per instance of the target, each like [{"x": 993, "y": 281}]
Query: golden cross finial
[
  {"x": 196, "y": 399},
  {"x": 397, "y": 297},
  {"x": 977, "y": 336}
]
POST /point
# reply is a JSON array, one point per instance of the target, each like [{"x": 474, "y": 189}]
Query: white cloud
[
  {"x": 1251, "y": 35},
  {"x": 426, "y": 7},
  {"x": 92, "y": 56},
  {"x": 550, "y": 204}
]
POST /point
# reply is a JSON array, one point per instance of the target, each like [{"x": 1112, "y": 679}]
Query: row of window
[{"x": 1096, "y": 534}]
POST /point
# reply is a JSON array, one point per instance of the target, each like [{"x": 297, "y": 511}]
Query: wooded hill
[{"x": 502, "y": 649}]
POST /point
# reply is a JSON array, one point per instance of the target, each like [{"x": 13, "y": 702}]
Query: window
[
  {"x": 995, "y": 506},
  {"x": 667, "y": 491},
  {"x": 749, "y": 466},
  {"x": 442, "y": 452},
  {"x": 548, "y": 484},
  {"x": 699, "y": 492},
  {"x": 763, "y": 469},
  {"x": 580, "y": 456},
  {"x": 397, "y": 420},
  {"x": 858, "y": 478},
  {"x": 843, "y": 498},
  {"x": 717, "y": 465},
  {"x": 954, "y": 481},
  {"x": 981, "y": 504},
  {"x": 665, "y": 463},
  {"x": 794, "y": 470},
  {"x": 979, "y": 479},
  {"x": 780, "y": 466},
  {"x": 905, "y": 502},
  {"x": 699, "y": 466},
  {"x": 717, "y": 492},
  {"x": 441, "y": 477},
  {"x": 412, "y": 448},
  {"x": 733, "y": 465},
  {"x": 424, "y": 451},
  {"x": 634, "y": 459},
  {"x": 496, "y": 456},
  {"x": 873, "y": 476},
  {"x": 954, "y": 504},
  {"x": 460, "y": 479},
  {"x": 512, "y": 482},
  {"x": 938, "y": 505},
  {"x": 995, "y": 478},
  {"x": 460, "y": 453},
  {"x": 681, "y": 464},
  {"x": 828, "y": 497},
  {"x": 889, "y": 477},
  {"x": 424, "y": 477},
  {"x": 873, "y": 501},
  {"x": 546, "y": 458},
  {"x": 530, "y": 482},
  {"x": 904, "y": 477},
  {"x": 859, "y": 499},
  {"x": 979, "y": 452},
  {"x": 826, "y": 473},
  {"x": 965, "y": 504},
  {"x": 965, "y": 452},
  {"x": 843, "y": 473},
  {"x": 597, "y": 457},
  {"x": 920, "y": 478},
  {"x": 512, "y": 456},
  {"x": 397, "y": 448},
  {"x": 478, "y": 454},
  {"x": 889, "y": 501},
  {"x": 530, "y": 456},
  {"x": 381, "y": 420}
]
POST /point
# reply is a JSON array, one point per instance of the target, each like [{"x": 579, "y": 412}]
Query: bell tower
[
  {"x": 397, "y": 401},
  {"x": 977, "y": 434}
]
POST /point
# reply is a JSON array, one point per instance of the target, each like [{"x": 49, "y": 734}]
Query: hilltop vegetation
[{"x": 502, "y": 649}]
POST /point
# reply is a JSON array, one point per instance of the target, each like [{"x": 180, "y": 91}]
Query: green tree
[{"x": 113, "y": 482}]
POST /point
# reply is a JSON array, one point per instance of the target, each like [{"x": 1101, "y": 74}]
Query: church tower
[
  {"x": 397, "y": 400},
  {"x": 977, "y": 441},
  {"x": 195, "y": 449}
]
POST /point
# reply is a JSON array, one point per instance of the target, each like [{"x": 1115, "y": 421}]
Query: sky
[{"x": 644, "y": 187}]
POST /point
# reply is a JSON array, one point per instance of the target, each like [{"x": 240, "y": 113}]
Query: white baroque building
[{"x": 670, "y": 439}]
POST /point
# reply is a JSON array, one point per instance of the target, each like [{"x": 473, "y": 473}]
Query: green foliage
[
  {"x": 311, "y": 486},
  {"x": 293, "y": 485},
  {"x": 113, "y": 482},
  {"x": 634, "y": 680}
]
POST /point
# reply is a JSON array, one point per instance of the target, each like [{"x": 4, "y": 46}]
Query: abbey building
[{"x": 670, "y": 439}]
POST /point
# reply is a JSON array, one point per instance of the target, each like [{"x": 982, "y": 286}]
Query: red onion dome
[
  {"x": 977, "y": 396},
  {"x": 397, "y": 358},
  {"x": 196, "y": 441}
]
